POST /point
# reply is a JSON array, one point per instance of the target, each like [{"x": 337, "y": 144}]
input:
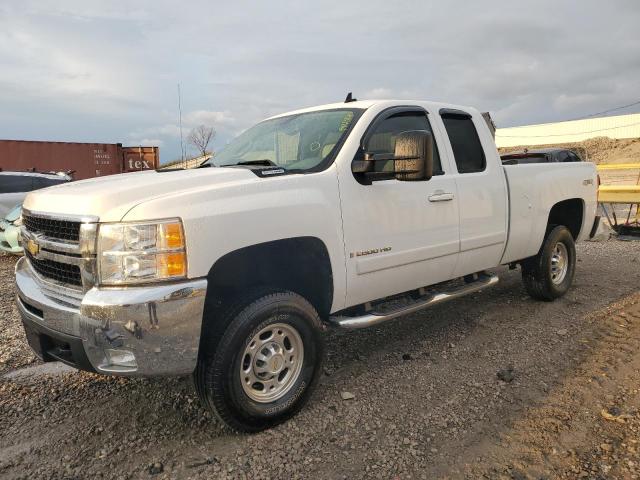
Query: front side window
[
  {"x": 302, "y": 142},
  {"x": 465, "y": 143},
  {"x": 383, "y": 138}
]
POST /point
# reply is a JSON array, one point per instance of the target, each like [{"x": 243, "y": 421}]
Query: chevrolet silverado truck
[{"x": 345, "y": 215}]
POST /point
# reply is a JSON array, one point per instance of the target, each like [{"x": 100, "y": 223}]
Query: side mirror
[
  {"x": 413, "y": 156},
  {"x": 412, "y": 160}
]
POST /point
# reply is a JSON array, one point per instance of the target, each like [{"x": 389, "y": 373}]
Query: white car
[
  {"x": 310, "y": 219},
  {"x": 14, "y": 186},
  {"x": 10, "y": 231}
]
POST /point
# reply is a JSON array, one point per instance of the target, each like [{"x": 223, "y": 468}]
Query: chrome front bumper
[{"x": 140, "y": 331}]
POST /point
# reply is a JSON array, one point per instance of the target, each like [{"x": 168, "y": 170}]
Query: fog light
[{"x": 121, "y": 358}]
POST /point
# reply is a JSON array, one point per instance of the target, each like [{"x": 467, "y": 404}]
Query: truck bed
[{"x": 533, "y": 190}]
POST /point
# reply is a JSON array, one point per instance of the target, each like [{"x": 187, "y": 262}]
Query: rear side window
[
  {"x": 15, "y": 183},
  {"x": 467, "y": 149},
  {"x": 41, "y": 182}
]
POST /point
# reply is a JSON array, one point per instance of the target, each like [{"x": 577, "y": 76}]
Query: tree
[{"x": 200, "y": 137}]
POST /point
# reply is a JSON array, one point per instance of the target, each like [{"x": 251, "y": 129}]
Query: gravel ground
[
  {"x": 14, "y": 352},
  {"x": 494, "y": 385}
]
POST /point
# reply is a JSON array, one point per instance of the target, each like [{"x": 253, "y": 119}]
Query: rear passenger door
[{"x": 482, "y": 191}]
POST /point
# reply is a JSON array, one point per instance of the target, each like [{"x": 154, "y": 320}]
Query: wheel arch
[
  {"x": 570, "y": 213},
  {"x": 300, "y": 264}
]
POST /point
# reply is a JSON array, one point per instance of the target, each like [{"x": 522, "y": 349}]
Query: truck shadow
[{"x": 348, "y": 355}]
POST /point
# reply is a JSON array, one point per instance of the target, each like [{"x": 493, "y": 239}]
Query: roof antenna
[{"x": 350, "y": 98}]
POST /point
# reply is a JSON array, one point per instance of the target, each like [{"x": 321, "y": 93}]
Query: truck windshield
[{"x": 299, "y": 142}]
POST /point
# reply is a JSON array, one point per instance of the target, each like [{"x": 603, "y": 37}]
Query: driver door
[{"x": 399, "y": 235}]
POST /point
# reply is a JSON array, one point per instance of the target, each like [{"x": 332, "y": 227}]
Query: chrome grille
[
  {"x": 61, "y": 250},
  {"x": 52, "y": 228},
  {"x": 58, "y": 271}
]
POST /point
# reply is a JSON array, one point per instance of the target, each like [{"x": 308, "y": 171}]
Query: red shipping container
[{"x": 87, "y": 160}]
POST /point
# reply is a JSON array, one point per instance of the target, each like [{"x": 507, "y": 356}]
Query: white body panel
[
  {"x": 533, "y": 190},
  {"x": 491, "y": 218},
  {"x": 9, "y": 200},
  {"x": 111, "y": 197},
  {"x": 219, "y": 219}
]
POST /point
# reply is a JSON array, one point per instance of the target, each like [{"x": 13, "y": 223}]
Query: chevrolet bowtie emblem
[{"x": 33, "y": 247}]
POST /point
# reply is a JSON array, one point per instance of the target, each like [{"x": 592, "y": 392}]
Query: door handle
[{"x": 440, "y": 196}]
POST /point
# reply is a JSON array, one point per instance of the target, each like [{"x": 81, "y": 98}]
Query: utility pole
[{"x": 180, "y": 122}]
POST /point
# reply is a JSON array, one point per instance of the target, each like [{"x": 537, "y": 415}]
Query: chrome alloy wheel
[
  {"x": 559, "y": 263},
  {"x": 271, "y": 363}
]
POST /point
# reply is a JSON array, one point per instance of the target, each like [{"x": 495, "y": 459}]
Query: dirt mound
[{"x": 597, "y": 149}]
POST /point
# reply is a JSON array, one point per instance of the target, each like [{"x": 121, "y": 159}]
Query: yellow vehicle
[{"x": 620, "y": 185}]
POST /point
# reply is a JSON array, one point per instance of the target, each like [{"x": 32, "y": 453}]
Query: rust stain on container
[{"x": 87, "y": 159}]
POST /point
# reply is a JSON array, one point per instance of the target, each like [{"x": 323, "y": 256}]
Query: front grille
[
  {"x": 61, "y": 272},
  {"x": 56, "y": 229}
]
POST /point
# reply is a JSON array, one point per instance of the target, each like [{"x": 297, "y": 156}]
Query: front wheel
[
  {"x": 550, "y": 273},
  {"x": 266, "y": 363}
]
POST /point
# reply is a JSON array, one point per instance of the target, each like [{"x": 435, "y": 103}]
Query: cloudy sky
[{"x": 78, "y": 70}]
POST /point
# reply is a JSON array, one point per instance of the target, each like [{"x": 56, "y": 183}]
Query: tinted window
[
  {"x": 15, "y": 183},
  {"x": 41, "y": 182},
  {"x": 521, "y": 160},
  {"x": 465, "y": 143},
  {"x": 573, "y": 157},
  {"x": 383, "y": 138}
]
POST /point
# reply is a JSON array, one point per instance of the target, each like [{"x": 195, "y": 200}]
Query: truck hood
[{"x": 110, "y": 198}]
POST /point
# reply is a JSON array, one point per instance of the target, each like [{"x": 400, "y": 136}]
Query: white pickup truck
[{"x": 344, "y": 215}]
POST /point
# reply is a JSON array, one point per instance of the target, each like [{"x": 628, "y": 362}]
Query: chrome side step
[{"x": 374, "y": 318}]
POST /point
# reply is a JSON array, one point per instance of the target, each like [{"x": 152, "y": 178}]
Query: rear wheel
[
  {"x": 266, "y": 363},
  {"x": 549, "y": 274}
]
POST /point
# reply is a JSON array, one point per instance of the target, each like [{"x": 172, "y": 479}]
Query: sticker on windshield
[{"x": 346, "y": 121}]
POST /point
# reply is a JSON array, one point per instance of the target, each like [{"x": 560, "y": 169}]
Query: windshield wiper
[{"x": 264, "y": 163}]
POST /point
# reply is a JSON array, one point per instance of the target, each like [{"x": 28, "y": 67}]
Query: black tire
[
  {"x": 537, "y": 272},
  {"x": 217, "y": 375}
]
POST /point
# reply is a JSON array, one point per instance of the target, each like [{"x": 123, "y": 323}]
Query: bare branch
[{"x": 200, "y": 137}]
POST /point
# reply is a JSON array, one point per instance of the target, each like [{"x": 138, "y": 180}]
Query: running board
[{"x": 374, "y": 318}]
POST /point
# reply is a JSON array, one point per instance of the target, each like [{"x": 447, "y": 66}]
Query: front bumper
[{"x": 138, "y": 331}]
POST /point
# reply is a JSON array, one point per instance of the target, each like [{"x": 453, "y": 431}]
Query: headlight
[{"x": 141, "y": 252}]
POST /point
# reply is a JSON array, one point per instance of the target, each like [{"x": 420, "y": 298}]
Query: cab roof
[{"x": 430, "y": 106}]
